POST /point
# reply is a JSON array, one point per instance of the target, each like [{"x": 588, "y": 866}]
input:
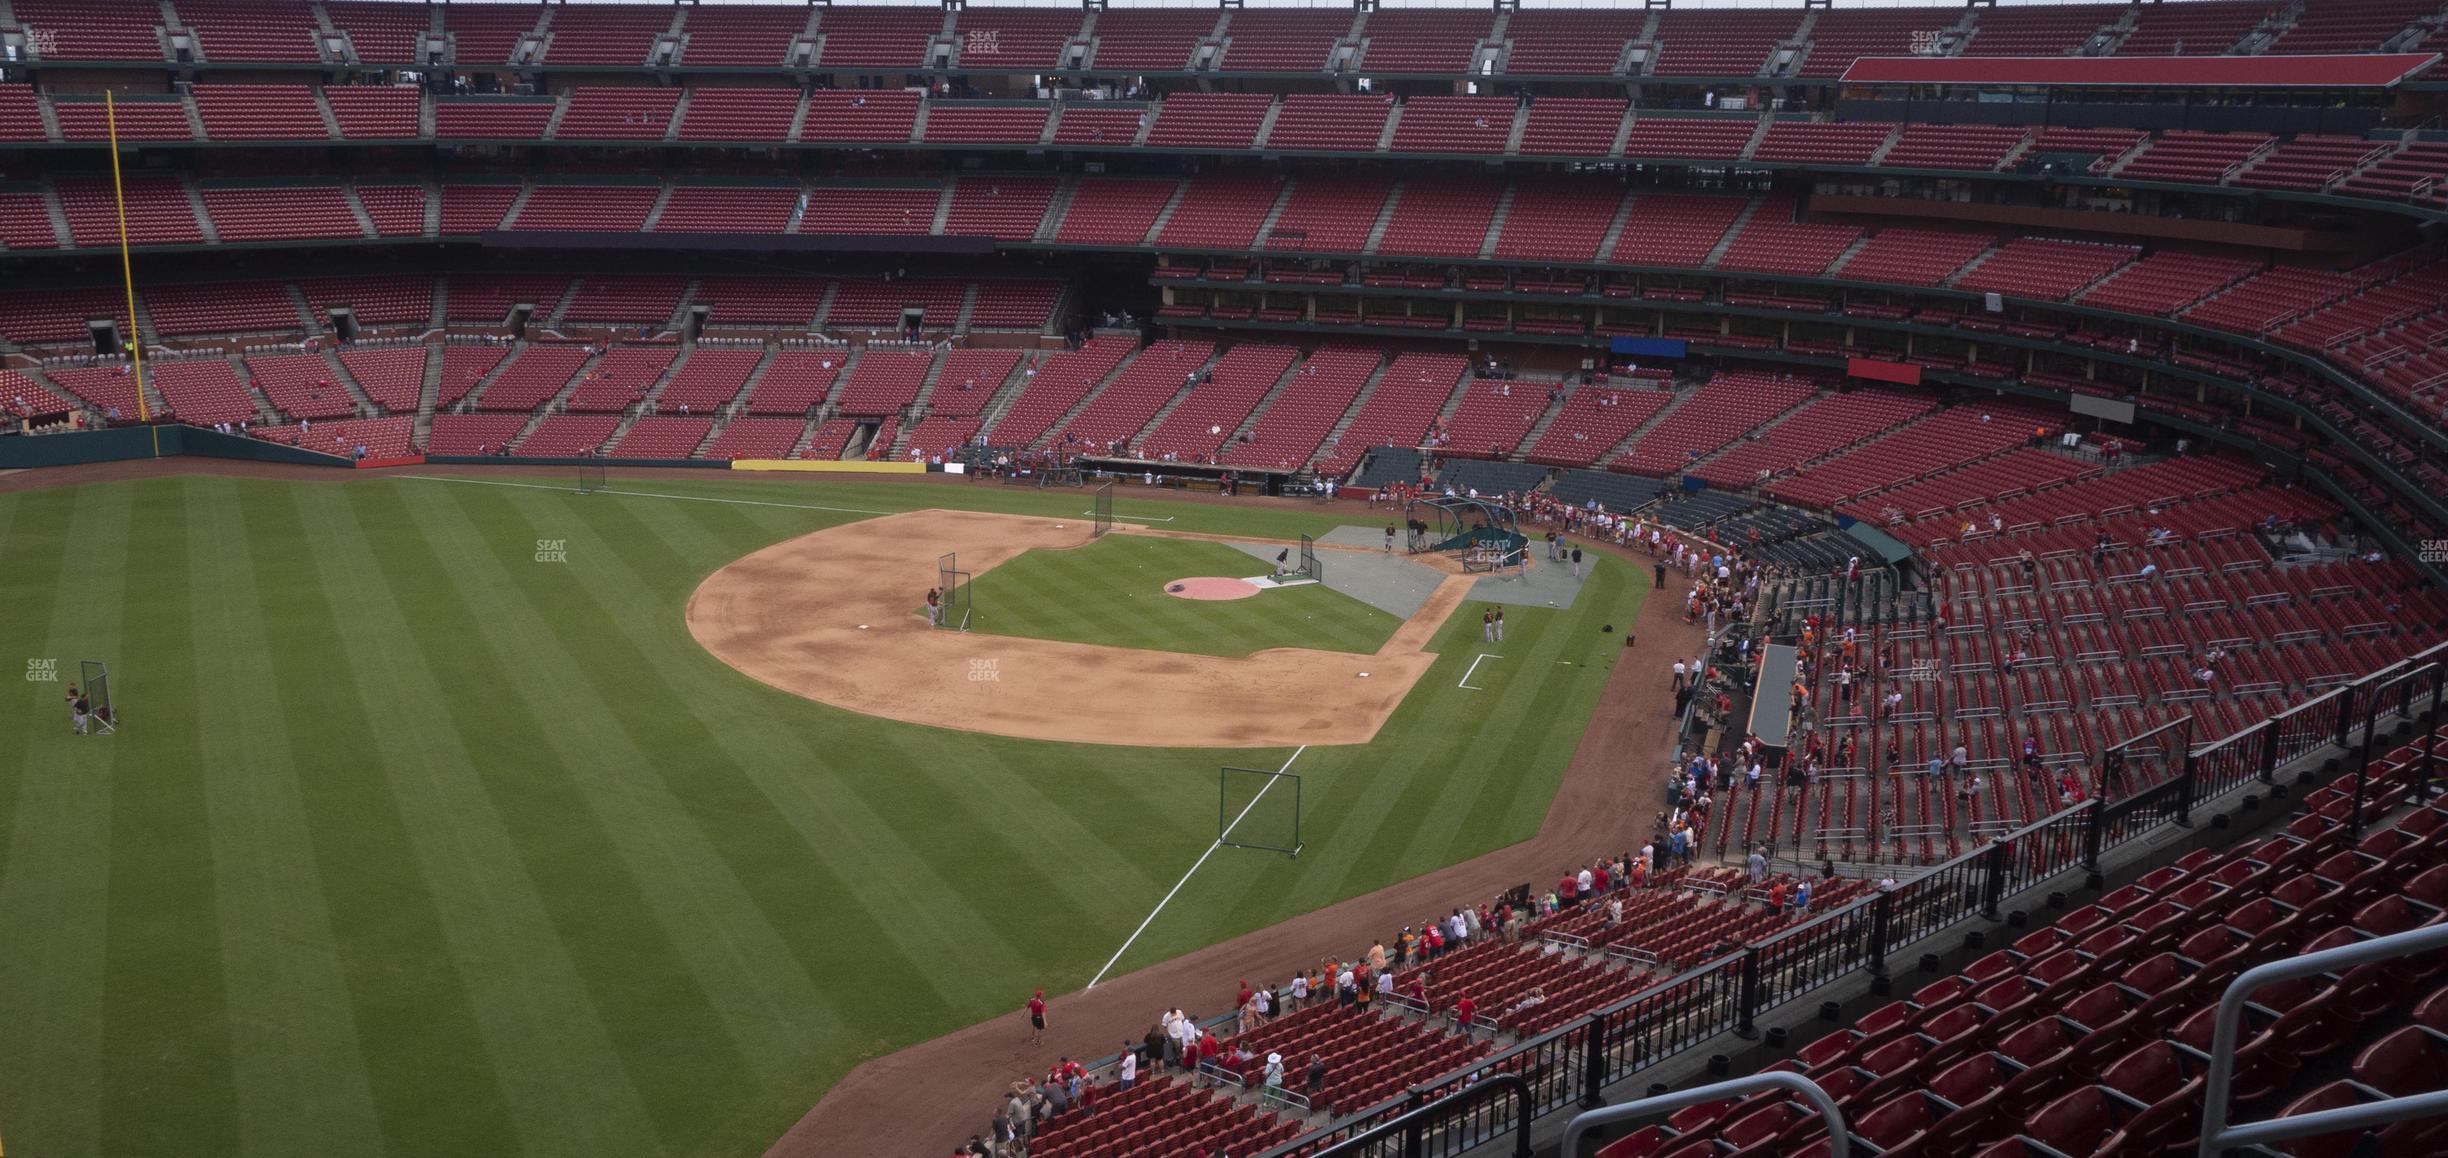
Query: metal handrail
[
  {"x": 1839, "y": 1144},
  {"x": 2217, "y": 1135}
]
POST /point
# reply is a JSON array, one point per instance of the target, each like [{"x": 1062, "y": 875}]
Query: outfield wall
[{"x": 165, "y": 440}]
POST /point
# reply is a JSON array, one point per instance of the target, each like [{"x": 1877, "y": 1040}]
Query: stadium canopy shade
[{"x": 2359, "y": 71}]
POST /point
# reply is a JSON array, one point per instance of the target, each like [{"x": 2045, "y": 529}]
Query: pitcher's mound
[{"x": 1211, "y": 587}]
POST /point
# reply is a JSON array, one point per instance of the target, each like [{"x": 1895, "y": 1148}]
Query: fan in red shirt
[
  {"x": 1566, "y": 887},
  {"x": 1036, "y": 1016},
  {"x": 1463, "y": 1009}
]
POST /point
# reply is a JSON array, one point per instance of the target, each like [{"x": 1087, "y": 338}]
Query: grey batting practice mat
[
  {"x": 1546, "y": 585},
  {"x": 1390, "y": 583}
]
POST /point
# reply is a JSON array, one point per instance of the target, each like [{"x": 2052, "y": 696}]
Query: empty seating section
[
  {"x": 1719, "y": 43},
  {"x": 1148, "y": 39},
  {"x": 969, "y": 379},
  {"x": 756, "y": 438},
  {"x": 202, "y": 390},
  {"x": 1572, "y": 126},
  {"x": 2038, "y": 30},
  {"x": 1674, "y": 229},
  {"x": 587, "y": 208},
  {"x": 490, "y": 298},
  {"x": 1842, "y": 35},
  {"x": 2412, "y": 173},
  {"x": 463, "y": 369},
  {"x": 2164, "y": 283},
  {"x": 1329, "y": 214},
  {"x": 1773, "y": 242},
  {"x": 662, "y": 437},
  {"x": 109, "y": 390},
  {"x": 510, "y": 119},
  {"x": 20, "y": 114},
  {"x": 707, "y": 380},
  {"x": 878, "y": 115},
  {"x": 1980, "y": 147},
  {"x": 1056, "y": 385},
  {"x": 378, "y": 437},
  {"x": 740, "y": 35},
  {"x": 883, "y": 382},
  {"x": 1221, "y": 212},
  {"x": 628, "y": 299},
  {"x": 795, "y": 382},
  {"x": 1209, "y": 120},
  {"x": 1707, "y": 140},
  {"x": 1216, "y": 407},
  {"x": 618, "y": 114},
  {"x": 1014, "y": 305},
  {"x": 1848, "y": 143},
  {"x": 373, "y": 112},
  {"x": 535, "y": 374},
  {"x": 2044, "y": 269},
  {"x": 1113, "y": 210},
  {"x": 619, "y": 379},
  {"x": 1091, "y": 124},
  {"x": 1731, "y": 405},
  {"x": 247, "y": 30},
  {"x": 25, "y": 222},
  {"x": 1015, "y": 37},
  {"x": 280, "y": 212},
  {"x": 1823, "y": 426},
  {"x": 1287, "y": 431},
  {"x": 229, "y": 307},
  {"x": 139, "y": 120},
  {"x": 1913, "y": 256},
  {"x": 738, "y": 114},
  {"x": 393, "y": 378},
  {"x": 1008, "y": 208},
  {"x": 1158, "y": 1115},
  {"x": 882, "y": 303},
  {"x": 568, "y": 434},
  {"x": 91, "y": 29},
  {"x": 715, "y": 209},
  {"x": 379, "y": 300},
  {"x": 259, "y": 112},
  {"x": 2196, "y": 158},
  {"x": 783, "y": 301},
  {"x": 485, "y": 34},
  {"x": 1410, "y": 394},
  {"x": 831, "y": 439},
  {"x": 2310, "y": 163},
  {"x": 2333, "y": 26},
  {"x": 25, "y": 398},
  {"x": 1455, "y": 124},
  {"x": 473, "y": 433},
  {"x": 964, "y": 124},
  {"x": 301, "y": 385},
  {"x": 1441, "y": 218},
  {"x": 1493, "y": 417},
  {"x": 1557, "y": 220},
  {"x": 1429, "y": 42},
  {"x": 1587, "y": 42},
  {"x": 868, "y": 209},
  {"x": 1592, "y": 420},
  {"x": 1330, "y": 122},
  {"x": 31, "y": 318},
  {"x": 2105, "y": 144},
  {"x": 1152, "y": 378},
  {"x": 2272, "y": 298},
  {"x": 2202, "y": 29},
  {"x": 878, "y": 37},
  {"x": 1276, "y": 40},
  {"x": 381, "y": 32},
  {"x": 609, "y": 34},
  {"x": 1947, "y": 440}
]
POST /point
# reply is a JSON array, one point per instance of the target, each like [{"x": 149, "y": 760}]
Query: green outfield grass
[
  {"x": 1112, "y": 592},
  {"x": 431, "y": 830}
]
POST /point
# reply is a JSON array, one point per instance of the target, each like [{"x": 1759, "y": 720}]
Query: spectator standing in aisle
[
  {"x": 1130, "y": 1065},
  {"x": 1317, "y": 1075},
  {"x": 1758, "y": 867}
]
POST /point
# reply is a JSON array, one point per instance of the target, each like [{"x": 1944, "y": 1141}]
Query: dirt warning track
[{"x": 832, "y": 616}]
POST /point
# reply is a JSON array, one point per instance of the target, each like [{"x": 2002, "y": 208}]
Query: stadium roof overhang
[{"x": 2363, "y": 70}]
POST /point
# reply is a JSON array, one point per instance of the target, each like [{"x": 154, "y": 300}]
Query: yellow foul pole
[{"x": 127, "y": 274}]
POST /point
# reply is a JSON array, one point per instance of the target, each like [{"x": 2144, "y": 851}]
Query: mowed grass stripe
[
  {"x": 162, "y": 978},
  {"x": 436, "y": 706},
  {"x": 55, "y": 896},
  {"x": 409, "y": 1001},
  {"x": 1112, "y": 592},
  {"x": 293, "y": 1044}
]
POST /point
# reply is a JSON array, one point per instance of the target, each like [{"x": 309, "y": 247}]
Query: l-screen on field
[{"x": 444, "y": 819}]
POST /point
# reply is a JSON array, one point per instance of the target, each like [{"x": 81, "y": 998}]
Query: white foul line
[
  {"x": 1194, "y": 867},
  {"x": 1133, "y": 518},
  {"x": 1464, "y": 682},
  {"x": 482, "y": 482}
]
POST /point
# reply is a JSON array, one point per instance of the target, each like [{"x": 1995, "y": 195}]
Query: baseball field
[{"x": 441, "y": 821}]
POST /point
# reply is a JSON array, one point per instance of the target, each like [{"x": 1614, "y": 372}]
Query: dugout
[{"x": 1223, "y": 478}]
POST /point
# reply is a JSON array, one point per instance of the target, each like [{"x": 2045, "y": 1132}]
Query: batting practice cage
[
  {"x": 1256, "y": 808},
  {"x": 1480, "y": 533},
  {"x": 954, "y": 584},
  {"x": 1310, "y": 568},
  {"x": 94, "y": 677},
  {"x": 590, "y": 477},
  {"x": 1103, "y": 511}
]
